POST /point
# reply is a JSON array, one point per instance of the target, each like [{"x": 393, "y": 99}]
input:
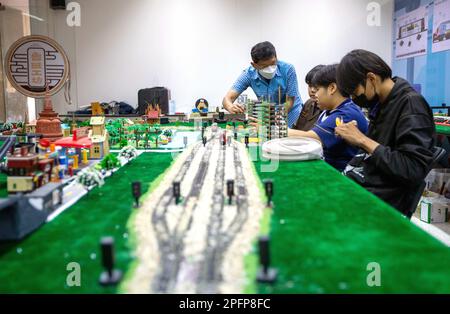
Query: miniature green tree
[
  {"x": 110, "y": 162},
  {"x": 117, "y": 123},
  {"x": 123, "y": 143},
  {"x": 85, "y": 123}
]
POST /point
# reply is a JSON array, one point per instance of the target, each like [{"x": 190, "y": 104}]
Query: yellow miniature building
[
  {"x": 20, "y": 184},
  {"x": 30, "y": 128},
  {"x": 99, "y": 137},
  {"x": 97, "y": 109}
]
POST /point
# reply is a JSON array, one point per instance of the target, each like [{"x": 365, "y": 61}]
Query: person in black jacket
[{"x": 397, "y": 153}]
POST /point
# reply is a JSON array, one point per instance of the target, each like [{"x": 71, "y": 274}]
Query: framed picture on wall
[
  {"x": 411, "y": 34},
  {"x": 441, "y": 26}
]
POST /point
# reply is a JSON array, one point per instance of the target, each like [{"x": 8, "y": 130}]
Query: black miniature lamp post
[
  {"x": 230, "y": 190},
  {"x": 136, "y": 190},
  {"x": 176, "y": 192},
  {"x": 110, "y": 276},
  {"x": 266, "y": 274},
  {"x": 268, "y": 185}
]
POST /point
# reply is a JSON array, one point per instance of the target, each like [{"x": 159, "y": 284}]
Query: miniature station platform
[{"x": 324, "y": 230}]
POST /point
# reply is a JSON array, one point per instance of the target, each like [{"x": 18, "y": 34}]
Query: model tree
[
  {"x": 113, "y": 132},
  {"x": 8, "y": 126},
  {"x": 128, "y": 153},
  {"x": 110, "y": 162},
  {"x": 123, "y": 143},
  {"x": 90, "y": 178}
]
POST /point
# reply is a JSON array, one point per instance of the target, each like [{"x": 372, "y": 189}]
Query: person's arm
[
  {"x": 298, "y": 133},
  {"x": 241, "y": 84},
  {"x": 292, "y": 88},
  {"x": 289, "y": 102},
  {"x": 352, "y": 135},
  {"x": 409, "y": 162},
  {"x": 228, "y": 102}
]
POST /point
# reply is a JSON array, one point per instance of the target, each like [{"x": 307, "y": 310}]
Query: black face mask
[{"x": 363, "y": 102}]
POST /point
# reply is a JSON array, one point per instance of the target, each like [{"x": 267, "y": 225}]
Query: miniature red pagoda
[
  {"x": 49, "y": 124},
  {"x": 152, "y": 114}
]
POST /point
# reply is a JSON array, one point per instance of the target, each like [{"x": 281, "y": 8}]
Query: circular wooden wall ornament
[{"x": 34, "y": 61}]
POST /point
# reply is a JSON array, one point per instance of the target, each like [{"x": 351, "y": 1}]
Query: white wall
[
  {"x": 197, "y": 48},
  {"x": 14, "y": 24}
]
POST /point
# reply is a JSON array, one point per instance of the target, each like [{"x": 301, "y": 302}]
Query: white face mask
[{"x": 268, "y": 72}]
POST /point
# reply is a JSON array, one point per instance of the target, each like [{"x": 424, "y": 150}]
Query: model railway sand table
[
  {"x": 198, "y": 245},
  {"x": 37, "y": 264}
]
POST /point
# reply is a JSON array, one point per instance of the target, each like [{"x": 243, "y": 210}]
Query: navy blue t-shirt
[{"x": 336, "y": 151}]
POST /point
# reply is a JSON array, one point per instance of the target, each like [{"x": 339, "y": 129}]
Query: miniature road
[
  {"x": 203, "y": 238},
  {"x": 72, "y": 193}
]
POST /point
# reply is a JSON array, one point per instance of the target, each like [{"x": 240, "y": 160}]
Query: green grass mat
[
  {"x": 38, "y": 263},
  {"x": 326, "y": 229},
  {"x": 442, "y": 129},
  {"x": 3, "y": 186}
]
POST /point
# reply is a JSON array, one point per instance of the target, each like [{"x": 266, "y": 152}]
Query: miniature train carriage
[
  {"x": 272, "y": 118},
  {"x": 99, "y": 137},
  {"x": 26, "y": 172}
]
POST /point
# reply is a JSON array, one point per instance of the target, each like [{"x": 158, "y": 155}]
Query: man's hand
[
  {"x": 350, "y": 133},
  {"x": 235, "y": 109},
  {"x": 229, "y": 105}
]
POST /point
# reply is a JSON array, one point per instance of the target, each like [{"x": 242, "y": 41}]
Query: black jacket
[{"x": 405, "y": 129}]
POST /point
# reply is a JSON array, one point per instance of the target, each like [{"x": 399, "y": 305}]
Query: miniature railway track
[
  {"x": 208, "y": 275},
  {"x": 171, "y": 242},
  {"x": 219, "y": 241}
]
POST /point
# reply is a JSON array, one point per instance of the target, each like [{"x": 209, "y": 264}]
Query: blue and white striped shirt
[{"x": 285, "y": 78}]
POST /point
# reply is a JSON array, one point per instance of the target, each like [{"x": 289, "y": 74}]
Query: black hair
[
  {"x": 325, "y": 76},
  {"x": 354, "y": 67},
  {"x": 309, "y": 77},
  {"x": 263, "y": 51}
]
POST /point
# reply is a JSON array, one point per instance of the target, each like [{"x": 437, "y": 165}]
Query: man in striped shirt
[{"x": 267, "y": 76}]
